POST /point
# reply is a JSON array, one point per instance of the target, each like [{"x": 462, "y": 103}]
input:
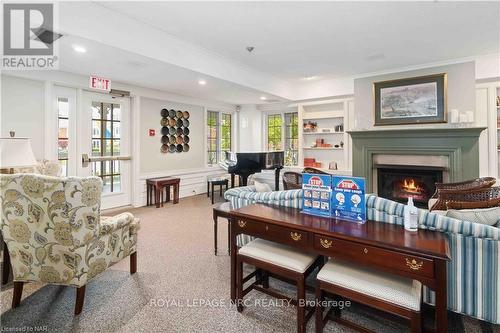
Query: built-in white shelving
[
  {"x": 487, "y": 98},
  {"x": 327, "y": 114}
]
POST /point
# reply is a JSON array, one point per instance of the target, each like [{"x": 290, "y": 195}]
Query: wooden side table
[
  {"x": 216, "y": 181},
  {"x": 222, "y": 210},
  {"x": 157, "y": 186}
]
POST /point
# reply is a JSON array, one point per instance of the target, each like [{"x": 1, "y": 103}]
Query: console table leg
[
  {"x": 215, "y": 234},
  {"x": 441, "y": 301},
  {"x": 208, "y": 189},
  {"x": 233, "y": 260}
]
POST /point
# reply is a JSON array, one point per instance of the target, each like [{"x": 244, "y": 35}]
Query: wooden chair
[
  {"x": 450, "y": 188},
  {"x": 281, "y": 261},
  {"x": 468, "y": 199},
  {"x": 386, "y": 292},
  {"x": 314, "y": 170},
  {"x": 292, "y": 180}
]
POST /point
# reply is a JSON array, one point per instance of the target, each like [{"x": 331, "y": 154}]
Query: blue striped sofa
[{"x": 473, "y": 272}]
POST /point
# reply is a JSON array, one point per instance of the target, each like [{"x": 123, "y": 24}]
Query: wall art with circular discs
[{"x": 174, "y": 131}]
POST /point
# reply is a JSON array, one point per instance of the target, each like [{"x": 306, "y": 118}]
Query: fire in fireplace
[{"x": 398, "y": 183}]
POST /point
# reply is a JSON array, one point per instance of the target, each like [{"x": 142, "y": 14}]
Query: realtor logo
[{"x": 28, "y": 36}]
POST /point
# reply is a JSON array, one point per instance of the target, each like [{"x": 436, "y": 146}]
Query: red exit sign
[{"x": 99, "y": 83}]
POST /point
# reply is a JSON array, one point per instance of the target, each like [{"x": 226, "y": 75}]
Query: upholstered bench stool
[
  {"x": 389, "y": 293},
  {"x": 281, "y": 261}
]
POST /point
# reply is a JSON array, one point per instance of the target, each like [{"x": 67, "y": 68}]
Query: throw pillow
[
  {"x": 262, "y": 187},
  {"x": 488, "y": 216}
]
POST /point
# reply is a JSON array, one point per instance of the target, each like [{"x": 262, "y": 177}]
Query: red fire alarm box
[{"x": 152, "y": 132}]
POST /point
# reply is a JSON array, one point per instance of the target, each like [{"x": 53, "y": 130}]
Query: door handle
[{"x": 86, "y": 159}]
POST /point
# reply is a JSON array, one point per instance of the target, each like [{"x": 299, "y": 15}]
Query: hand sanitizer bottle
[{"x": 411, "y": 216}]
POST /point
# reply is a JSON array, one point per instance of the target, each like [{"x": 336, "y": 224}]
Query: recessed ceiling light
[
  {"x": 263, "y": 98},
  {"x": 202, "y": 82},
  {"x": 79, "y": 49},
  {"x": 312, "y": 77}
]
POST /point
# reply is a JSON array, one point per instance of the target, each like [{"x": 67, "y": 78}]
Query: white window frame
[
  {"x": 218, "y": 136},
  {"x": 283, "y": 129}
]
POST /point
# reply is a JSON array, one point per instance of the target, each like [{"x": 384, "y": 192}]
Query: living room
[{"x": 351, "y": 151}]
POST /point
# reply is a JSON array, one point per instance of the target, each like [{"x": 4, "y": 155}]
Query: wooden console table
[
  {"x": 388, "y": 247},
  {"x": 156, "y": 186}
]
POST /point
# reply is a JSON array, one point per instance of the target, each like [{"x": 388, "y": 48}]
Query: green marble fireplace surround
[{"x": 459, "y": 146}]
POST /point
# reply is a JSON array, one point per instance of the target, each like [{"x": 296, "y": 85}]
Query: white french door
[{"x": 94, "y": 139}]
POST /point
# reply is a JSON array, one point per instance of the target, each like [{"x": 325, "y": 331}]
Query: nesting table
[{"x": 157, "y": 186}]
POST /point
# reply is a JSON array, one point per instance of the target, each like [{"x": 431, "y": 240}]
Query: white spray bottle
[{"x": 411, "y": 216}]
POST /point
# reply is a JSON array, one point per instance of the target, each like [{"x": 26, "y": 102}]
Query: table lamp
[{"x": 15, "y": 153}]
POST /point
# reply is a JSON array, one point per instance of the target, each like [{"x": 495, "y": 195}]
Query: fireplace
[{"x": 398, "y": 183}]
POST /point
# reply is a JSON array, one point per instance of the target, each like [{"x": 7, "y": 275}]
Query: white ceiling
[
  {"x": 328, "y": 39},
  {"x": 134, "y": 69}
]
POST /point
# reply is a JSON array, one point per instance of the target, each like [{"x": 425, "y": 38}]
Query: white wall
[
  {"x": 22, "y": 111},
  {"x": 251, "y": 136},
  {"x": 460, "y": 92},
  {"x": 152, "y": 160}
]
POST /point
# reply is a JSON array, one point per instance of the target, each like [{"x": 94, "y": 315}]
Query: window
[
  {"x": 291, "y": 138},
  {"x": 212, "y": 137},
  {"x": 225, "y": 139},
  {"x": 62, "y": 134},
  {"x": 219, "y": 129},
  {"x": 274, "y": 138},
  {"x": 106, "y": 135}
]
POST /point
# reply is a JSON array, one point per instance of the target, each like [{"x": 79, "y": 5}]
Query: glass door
[{"x": 104, "y": 127}]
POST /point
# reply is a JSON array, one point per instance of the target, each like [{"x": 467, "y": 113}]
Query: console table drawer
[
  {"x": 375, "y": 256},
  {"x": 286, "y": 236},
  {"x": 274, "y": 233},
  {"x": 249, "y": 227}
]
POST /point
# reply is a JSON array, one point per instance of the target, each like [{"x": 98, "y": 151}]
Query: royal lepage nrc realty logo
[{"x": 28, "y": 36}]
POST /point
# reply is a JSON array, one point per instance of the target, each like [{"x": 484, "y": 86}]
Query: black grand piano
[{"x": 246, "y": 164}]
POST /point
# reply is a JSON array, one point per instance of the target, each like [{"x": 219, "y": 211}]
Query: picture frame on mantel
[{"x": 409, "y": 101}]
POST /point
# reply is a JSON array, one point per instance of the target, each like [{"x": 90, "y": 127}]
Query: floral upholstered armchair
[{"x": 55, "y": 234}]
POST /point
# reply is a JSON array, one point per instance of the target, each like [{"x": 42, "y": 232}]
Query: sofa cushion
[
  {"x": 386, "y": 287},
  {"x": 488, "y": 216},
  {"x": 278, "y": 254},
  {"x": 262, "y": 187}
]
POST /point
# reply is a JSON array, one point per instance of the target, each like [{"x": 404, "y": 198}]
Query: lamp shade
[{"x": 16, "y": 153}]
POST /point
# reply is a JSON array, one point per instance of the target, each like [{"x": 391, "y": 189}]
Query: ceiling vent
[{"x": 47, "y": 37}]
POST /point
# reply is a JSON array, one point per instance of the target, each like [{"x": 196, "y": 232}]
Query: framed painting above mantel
[{"x": 417, "y": 100}]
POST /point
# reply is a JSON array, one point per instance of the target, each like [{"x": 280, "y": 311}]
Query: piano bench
[{"x": 216, "y": 181}]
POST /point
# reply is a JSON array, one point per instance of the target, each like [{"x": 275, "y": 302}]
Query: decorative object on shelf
[
  {"x": 411, "y": 100},
  {"x": 339, "y": 128},
  {"x": 320, "y": 143},
  {"x": 310, "y": 126},
  {"x": 174, "y": 131},
  {"x": 332, "y": 165},
  {"x": 311, "y": 162},
  {"x": 341, "y": 144}
]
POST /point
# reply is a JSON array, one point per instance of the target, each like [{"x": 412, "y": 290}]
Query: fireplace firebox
[{"x": 398, "y": 183}]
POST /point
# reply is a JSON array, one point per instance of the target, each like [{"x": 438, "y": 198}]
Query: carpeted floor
[{"x": 180, "y": 286}]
